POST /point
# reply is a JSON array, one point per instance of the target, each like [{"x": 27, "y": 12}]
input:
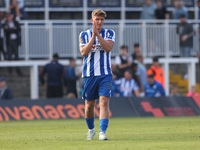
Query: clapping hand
[{"x": 94, "y": 29}]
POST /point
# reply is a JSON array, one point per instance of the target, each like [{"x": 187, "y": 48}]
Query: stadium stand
[
  {"x": 81, "y": 9},
  {"x": 53, "y": 26}
]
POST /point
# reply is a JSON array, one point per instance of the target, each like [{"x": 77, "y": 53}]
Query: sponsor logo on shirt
[{"x": 96, "y": 48}]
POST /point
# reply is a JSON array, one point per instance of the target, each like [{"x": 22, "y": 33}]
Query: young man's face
[
  {"x": 148, "y": 2},
  {"x": 156, "y": 64},
  {"x": 10, "y": 17},
  {"x": 99, "y": 21},
  {"x": 124, "y": 51},
  {"x": 159, "y": 4},
  {"x": 127, "y": 75},
  {"x": 182, "y": 19},
  {"x": 150, "y": 80},
  {"x": 136, "y": 50},
  {"x": 2, "y": 84},
  {"x": 176, "y": 4}
]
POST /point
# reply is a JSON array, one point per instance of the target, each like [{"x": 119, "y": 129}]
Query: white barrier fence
[
  {"x": 165, "y": 62},
  {"x": 41, "y": 39}
]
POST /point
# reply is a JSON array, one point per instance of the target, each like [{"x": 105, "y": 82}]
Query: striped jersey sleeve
[
  {"x": 127, "y": 86},
  {"x": 110, "y": 35},
  {"x": 83, "y": 39}
]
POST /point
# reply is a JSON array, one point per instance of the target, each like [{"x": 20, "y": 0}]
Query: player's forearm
[
  {"x": 87, "y": 48},
  {"x": 106, "y": 46}
]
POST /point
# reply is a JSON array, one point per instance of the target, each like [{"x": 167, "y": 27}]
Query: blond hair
[{"x": 99, "y": 12}]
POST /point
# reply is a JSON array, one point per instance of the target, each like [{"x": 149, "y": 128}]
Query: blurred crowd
[
  {"x": 130, "y": 76},
  {"x": 156, "y": 10}
]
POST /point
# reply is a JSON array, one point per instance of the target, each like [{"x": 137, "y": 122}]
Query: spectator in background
[
  {"x": 161, "y": 11},
  {"x": 152, "y": 87},
  {"x": 159, "y": 75},
  {"x": 127, "y": 85},
  {"x": 135, "y": 74},
  {"x": 15, "y": 10},
  {"x": 186, "y": 33},
  {"x": 13, "y": 39},
  {"x": 22, "y": 9},
  {"x": 193, "y": 92},
  {"x": 2, "y": 22},
  {"x": 148, "y": 10},
  {"x": 141, "y": 71},
  {"x": 136, "y": 51},
  {"x": 71, "y": 78},
  {"x": 123, "y": 61},
  {"x": 179, "y": 10},
  {"x": 174, "y": 91},
  {"x": 13, "y": 36},
  {"x": 5, "y": 92},
  {"x": 55, "y": 73}
]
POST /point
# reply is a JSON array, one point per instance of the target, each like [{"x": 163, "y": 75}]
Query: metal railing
[{"x": 41, "y": 39}]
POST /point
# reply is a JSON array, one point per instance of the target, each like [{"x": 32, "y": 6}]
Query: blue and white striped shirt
[
  {"x": 127, "y": 86},
  {"x": 98, "y": 61}
]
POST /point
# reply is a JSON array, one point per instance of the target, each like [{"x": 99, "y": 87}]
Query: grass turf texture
[{"x": 125, "y": 134}]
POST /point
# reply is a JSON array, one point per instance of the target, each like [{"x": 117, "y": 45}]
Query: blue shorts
[{"x": 97, "y": 86}]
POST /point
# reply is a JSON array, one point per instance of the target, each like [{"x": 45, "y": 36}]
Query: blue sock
[
  {"x": 103, "y": 125},
  {"x": 90, "y": 123}
]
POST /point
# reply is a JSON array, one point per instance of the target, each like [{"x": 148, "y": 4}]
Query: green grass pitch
[{"x": 169, "y": 133}]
